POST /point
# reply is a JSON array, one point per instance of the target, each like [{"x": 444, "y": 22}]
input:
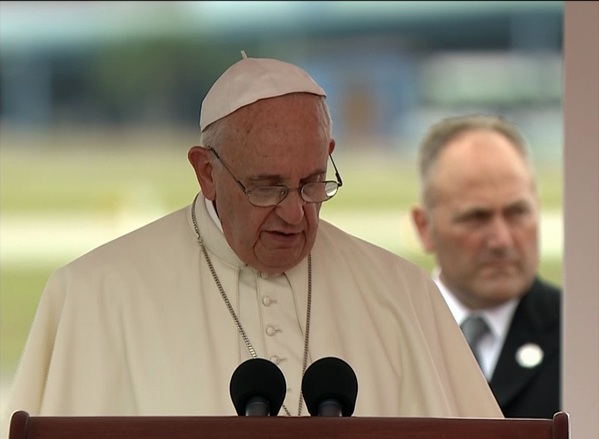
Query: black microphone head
[
  {"x": 257, "y": 377},
  {"x": 330, "y": 378}
]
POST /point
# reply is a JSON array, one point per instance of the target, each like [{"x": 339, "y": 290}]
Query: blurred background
[{"x": 99, "y": 104}]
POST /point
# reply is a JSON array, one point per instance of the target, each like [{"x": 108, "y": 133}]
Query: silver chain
[{"x": 240, "y": 329}]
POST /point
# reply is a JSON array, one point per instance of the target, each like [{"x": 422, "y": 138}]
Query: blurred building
[{"x": 390, "y": 68}]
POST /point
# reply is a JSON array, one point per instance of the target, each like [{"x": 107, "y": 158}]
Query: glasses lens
[
  {"x": 315, "y": 192},
  {"x": 331, "y": 188},
  {"x": 319, "y": 191},
  {"x": 267, "y": 195}
]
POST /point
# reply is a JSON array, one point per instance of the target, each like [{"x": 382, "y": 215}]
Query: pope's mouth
[{"x": 278, "y": 239}]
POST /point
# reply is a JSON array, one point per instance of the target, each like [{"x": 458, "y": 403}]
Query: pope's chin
[
  {"x": 280, "y": 259},
  {"x": 276, "y": 268}
]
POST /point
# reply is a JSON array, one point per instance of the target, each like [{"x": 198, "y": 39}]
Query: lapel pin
[{"x": 529, "y": 355}]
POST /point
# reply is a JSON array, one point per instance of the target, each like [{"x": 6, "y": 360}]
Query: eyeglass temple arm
[{"x": 337, "y": 175}]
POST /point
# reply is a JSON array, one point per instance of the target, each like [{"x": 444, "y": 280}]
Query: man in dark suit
[{"x": 479, "y": 216}]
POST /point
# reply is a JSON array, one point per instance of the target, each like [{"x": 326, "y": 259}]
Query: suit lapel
[{"x": 528, "y": 339}]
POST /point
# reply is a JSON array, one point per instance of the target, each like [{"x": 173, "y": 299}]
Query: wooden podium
[{"x": 23, "y": 426}]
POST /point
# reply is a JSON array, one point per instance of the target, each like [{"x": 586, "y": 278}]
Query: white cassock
[{"x": 138, "y": 327}]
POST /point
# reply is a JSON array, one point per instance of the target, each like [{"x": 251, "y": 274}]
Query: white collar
[
  {"x": 498, "y": 318},
  {"x": 212, "y": 213}
]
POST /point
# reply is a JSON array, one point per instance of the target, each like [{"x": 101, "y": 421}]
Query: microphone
[
  {"x": 257, "y": 388},
  {"x": 330, "y": 388}
]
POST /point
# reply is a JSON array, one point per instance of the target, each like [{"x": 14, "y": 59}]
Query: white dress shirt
[{"x": 498, "y": 319}]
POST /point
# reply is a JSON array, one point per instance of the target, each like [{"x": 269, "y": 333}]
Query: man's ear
[
  {"x": 201, "y": 162},
  {"x": 423, "y": 227}
]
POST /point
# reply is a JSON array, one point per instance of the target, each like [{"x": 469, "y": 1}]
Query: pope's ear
[{"x": 201, "y": 161}]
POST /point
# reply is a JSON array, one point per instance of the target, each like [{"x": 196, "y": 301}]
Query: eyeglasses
[{"x": 268, "y": 196}]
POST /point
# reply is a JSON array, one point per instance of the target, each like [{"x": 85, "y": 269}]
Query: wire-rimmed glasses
[{"x": 268, "y": 196}]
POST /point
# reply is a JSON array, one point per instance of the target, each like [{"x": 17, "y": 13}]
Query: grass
[
  {"x": 20, "y": 291},
  {"x": 103, "y": 174}
]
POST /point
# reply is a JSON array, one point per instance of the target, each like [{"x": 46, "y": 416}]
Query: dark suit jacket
[{"x": 531, "y": 392}]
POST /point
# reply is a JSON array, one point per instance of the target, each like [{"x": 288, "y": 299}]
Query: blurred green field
[{"x": 138, "y": 176}]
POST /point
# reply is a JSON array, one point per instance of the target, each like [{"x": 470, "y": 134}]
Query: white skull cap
[{"x": 250, "y": 80}]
